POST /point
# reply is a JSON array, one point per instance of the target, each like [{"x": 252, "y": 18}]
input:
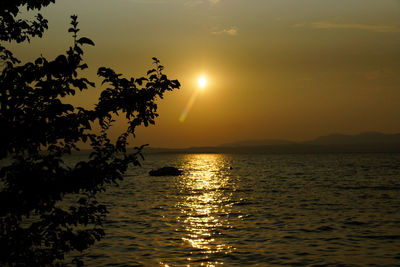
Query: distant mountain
[
  {"x": 369, "y": 142},
  {"x": 333, "y": 139},
  {"x": 363, "y": 138},
  {"x": 266, "y": 142}
]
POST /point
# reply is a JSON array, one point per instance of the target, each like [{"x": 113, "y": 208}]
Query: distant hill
[
  {"x": 363, "y": 138},
  {"x": 369, "y": 142},
  {"x": 266, "y": 142},
  {"x": 333, "y": 139}
]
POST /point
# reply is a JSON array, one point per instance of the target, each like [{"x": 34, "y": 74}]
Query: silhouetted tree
[{"x": 38, "y": 129}]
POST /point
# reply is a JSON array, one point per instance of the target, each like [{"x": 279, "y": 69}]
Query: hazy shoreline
[
  {"x": 369, "y": 142},
  {"x": 289, "y": 149}
]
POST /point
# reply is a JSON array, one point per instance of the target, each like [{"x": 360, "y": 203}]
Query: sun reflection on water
[{"x": 205, "y": 208}]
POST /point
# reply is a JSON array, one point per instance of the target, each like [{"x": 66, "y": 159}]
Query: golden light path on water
[{"x": 207, "y": 204}]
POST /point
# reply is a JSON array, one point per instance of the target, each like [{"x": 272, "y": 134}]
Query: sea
[{"x": 254, "y": 210}]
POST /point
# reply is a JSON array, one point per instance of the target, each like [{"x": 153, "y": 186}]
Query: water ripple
[{"x": 269, "y": 210}]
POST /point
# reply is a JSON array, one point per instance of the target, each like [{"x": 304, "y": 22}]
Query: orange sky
[{"x": 276, "y": 69}]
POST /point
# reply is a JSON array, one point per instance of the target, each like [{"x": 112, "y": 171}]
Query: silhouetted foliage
[{"x": 38, "y": 129}]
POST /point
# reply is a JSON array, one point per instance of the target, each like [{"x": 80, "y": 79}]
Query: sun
[{"x": 202, "y": 82}]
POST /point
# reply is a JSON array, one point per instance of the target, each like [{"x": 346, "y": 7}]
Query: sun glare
[{"x": 202, "y": 82}]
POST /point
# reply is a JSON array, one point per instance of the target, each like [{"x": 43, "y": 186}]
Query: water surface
[{"x": 267, "y": 210}]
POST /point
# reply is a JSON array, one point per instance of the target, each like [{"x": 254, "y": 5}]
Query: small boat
[{"x": 165, "y": 171}]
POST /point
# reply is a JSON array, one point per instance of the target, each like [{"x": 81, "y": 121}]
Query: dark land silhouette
[
  {"x": 369, "y": 142},
  {"x": 40, "y": 128}
]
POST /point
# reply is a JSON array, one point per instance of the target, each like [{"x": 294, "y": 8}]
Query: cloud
[
  {"x": 233, "y": 31},
  {"x": 200, "y": 2},
  {"x": 150, "y": 1},
  {"x": 373, "y": 75},
  {"x": 185, "y": 2},
  {"x": 345, "y": 26}
]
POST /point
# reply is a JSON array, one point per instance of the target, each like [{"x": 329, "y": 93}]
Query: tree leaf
[{"x": 84, "y": 40}]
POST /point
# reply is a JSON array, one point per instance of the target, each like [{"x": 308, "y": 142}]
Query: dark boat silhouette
[{"x": 165, "y": 171}]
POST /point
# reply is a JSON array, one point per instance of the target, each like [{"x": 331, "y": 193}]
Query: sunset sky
[{"x": 275, "y": 69}]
